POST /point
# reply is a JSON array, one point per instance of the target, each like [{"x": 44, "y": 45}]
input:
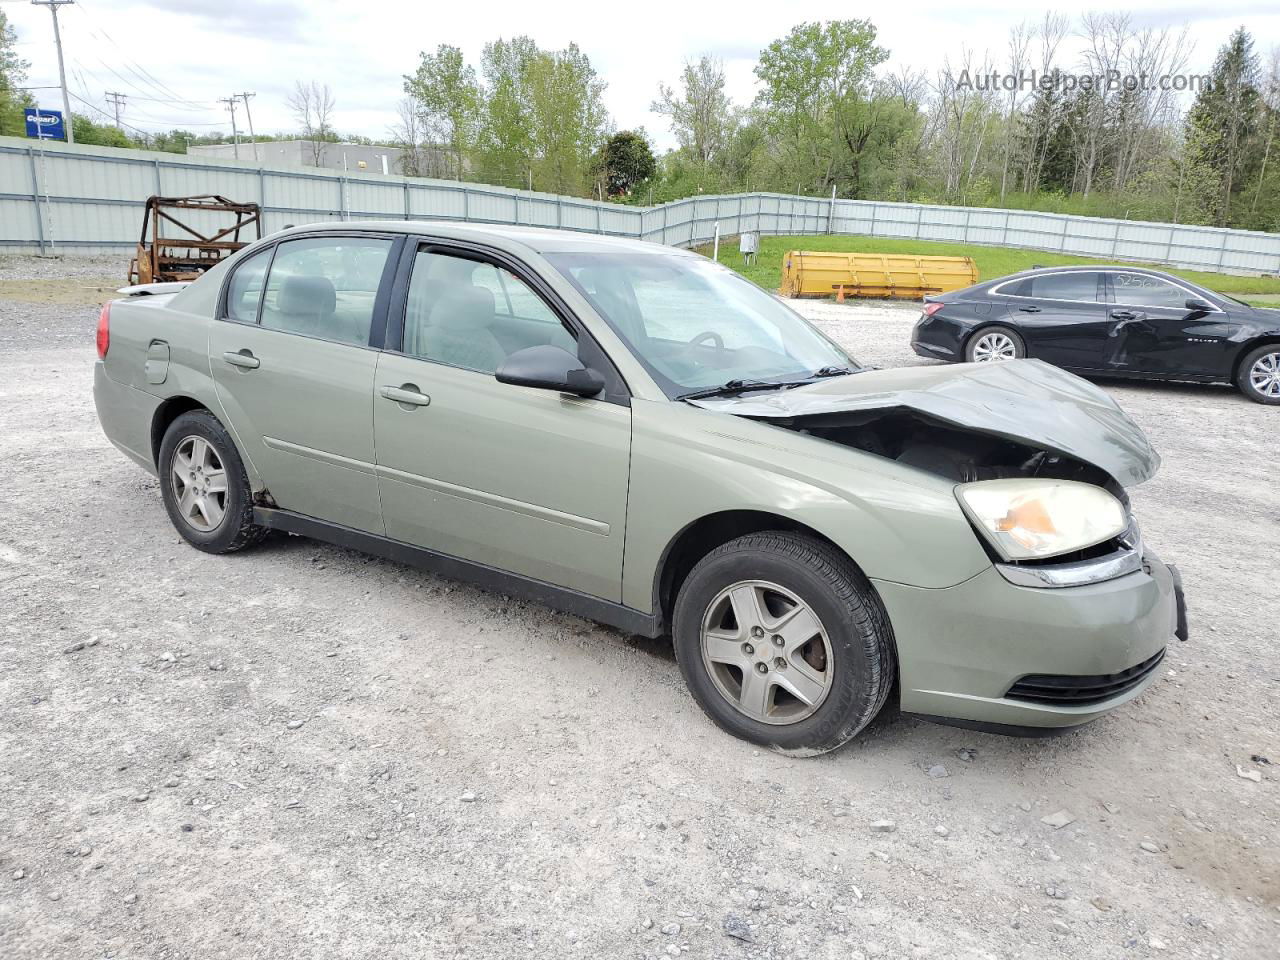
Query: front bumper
[{"x": 961, "y": 649}]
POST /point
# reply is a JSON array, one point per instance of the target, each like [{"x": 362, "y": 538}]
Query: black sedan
[{"x": 1108, "y": 321}]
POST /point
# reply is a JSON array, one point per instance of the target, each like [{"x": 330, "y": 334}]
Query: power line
[{"x": 248, "y": 116}]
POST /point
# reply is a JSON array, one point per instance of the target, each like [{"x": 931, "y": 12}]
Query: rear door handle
[
  {"x": 1029, "y": 309},
  {"x": 1122, "y": 315},
  {"x": 244, "y": 360},
  {"x": 406, "y": 394}
]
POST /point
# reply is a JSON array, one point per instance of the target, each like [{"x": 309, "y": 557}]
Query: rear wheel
[
  {"x": 204, "y": 485},
  {"x": 994, "y": 343},
  {"x": 1259, "y": 376},
  {"x": 783, "y": 642}
]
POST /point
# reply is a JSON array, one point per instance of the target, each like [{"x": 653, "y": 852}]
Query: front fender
[{"x": 897, "y": 523}]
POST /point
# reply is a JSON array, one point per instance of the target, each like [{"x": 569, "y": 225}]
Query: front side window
[
  {"x": 1143, "y": 290},
  {"x": 1080, "y": 285},
  {"x": 695, "y": 324},
  {"x": 471, "y": 314},
  {"x": 245, "y": 289},
  {"x": 325, "y": 287}
]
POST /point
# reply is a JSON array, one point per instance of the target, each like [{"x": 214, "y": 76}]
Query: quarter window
[
  {"x": 1142, "y": 290},
  {"x": 245, "y": 289},
  {"x": 325, "y": 287},
  {"x": 1077, "y": 285}
]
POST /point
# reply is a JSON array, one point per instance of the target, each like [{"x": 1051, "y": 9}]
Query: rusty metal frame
[{"x": 204, "y": 251}]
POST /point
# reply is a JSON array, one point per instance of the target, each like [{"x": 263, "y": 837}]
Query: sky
[{"x": 174, "y": 61}]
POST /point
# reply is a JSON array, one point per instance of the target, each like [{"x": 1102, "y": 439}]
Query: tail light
[
  {"x": 104, "y": 330},
  {"x": 931, "y": 308}
]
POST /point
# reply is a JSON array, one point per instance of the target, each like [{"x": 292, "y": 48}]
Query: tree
[
  {"x": 625, "y": 161},
  {"x": 816, "y": 86},
  {"x": 1225, "y": 116},
  {"x": 312, "y": 106},
  {"x": 702, "y": 116},
  {"x": 569, "y": 121},
  {"x": 506, "y": 129},
  {"x": 447, "y": 95},
  {"x": 13, "y": 71}
]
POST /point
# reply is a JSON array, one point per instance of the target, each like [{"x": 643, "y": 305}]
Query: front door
[
  {"x": 529, "y": 481},
  {"x": 1154, "y": 331},
  {"x": 1062, "y": 318},
  {"x": 294, "y": 372}
]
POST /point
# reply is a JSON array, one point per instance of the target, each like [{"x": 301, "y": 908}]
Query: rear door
[
  {"x": 1153, "y": 330},
  {"x": 529, "y": 481},
  {"x": 293, "y": 360},
  {"x": 1061, "y": 317}
]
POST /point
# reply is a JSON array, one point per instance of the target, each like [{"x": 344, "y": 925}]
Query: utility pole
[
  {"x": 53, "y": 6},
  {"x": 235, "y": 135},
  {"x": 116, "y": 100},
  {"x": 248, "y": 116}
]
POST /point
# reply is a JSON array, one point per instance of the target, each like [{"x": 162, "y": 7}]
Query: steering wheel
[{"x": 717, "y": 340}]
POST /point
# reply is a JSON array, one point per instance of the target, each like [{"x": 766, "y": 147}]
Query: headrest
[
  {"x": 468, "y": 308},
  {"x": 312, "y": 296}
]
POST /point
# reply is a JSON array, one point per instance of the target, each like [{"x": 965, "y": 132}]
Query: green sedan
[{"x": 636, "y": 435}]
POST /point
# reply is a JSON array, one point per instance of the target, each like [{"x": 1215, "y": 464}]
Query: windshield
[{"x": 695, "y": 324}]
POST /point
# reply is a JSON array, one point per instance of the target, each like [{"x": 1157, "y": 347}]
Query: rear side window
[
  {"x": 325, "y": 287},
  {"x": 1063, "y": 286},
  {"x": 245, "y": 289},
  {"x": 1142, "y": 290}
]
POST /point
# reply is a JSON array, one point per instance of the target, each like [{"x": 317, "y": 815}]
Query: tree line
[
  {"x": 1088, "y": 136},
  {"x": 831, "y": 115}
]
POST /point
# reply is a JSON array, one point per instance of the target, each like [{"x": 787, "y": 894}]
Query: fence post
[
  {"x": 1004, "y": 236},
  {"x": 1115, "y": 239},
  {"x": 159, "y": 189},
  {"x": 1222, "y": 250},
  {"x": 1062, "y": 241},
  {"x": 968, "y": 216},
  {"x": 407, "y": 205},
  {"x": 35, "y": 198},
  {"x": 466, "y": 204},
  {"x": 262, "y": 192}
]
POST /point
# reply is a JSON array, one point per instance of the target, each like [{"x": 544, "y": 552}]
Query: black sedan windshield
[{"x": 695, "y": 324}]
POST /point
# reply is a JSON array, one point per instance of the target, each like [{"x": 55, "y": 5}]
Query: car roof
[
  {"x": 538, "y": 239},
  {"x": 1086, "y": 268}
]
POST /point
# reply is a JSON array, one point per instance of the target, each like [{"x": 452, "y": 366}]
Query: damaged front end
[{"x": 973, "y": 423}]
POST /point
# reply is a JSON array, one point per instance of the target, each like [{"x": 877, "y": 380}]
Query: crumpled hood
[{"x": 1023, "y": 400}]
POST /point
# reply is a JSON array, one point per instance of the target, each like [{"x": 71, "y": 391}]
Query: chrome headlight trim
[{"x": 1079, "y": 573}]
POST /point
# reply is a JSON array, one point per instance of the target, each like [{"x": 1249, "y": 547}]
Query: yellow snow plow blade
[{"x": 813, "y": 274}]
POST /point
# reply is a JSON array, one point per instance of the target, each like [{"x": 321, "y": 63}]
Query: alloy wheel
[
  {"x": 994, "y": 346},
  {"x": 199, "y": 483},
  {"x": 767, "y": 652},
  {"x": 1264, "y": 375}
]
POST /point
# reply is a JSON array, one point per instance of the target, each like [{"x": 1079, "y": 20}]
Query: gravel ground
[{"x": 302, "y": 751}]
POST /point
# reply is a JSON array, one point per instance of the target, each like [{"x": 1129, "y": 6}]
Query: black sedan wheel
[
  {"x": 1259, "y": 376},
  {"x": 994, "y": 343}
]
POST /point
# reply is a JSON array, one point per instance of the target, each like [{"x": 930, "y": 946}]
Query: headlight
[{"x": 1028, "y": 519}]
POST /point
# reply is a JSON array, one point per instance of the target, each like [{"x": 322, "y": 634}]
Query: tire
[
  {"x": 987, "y": 337},
  {"x": 1257, "y": 375},
  {"x": 858, "y": 658},
  {"x": 217, "y": 517}
]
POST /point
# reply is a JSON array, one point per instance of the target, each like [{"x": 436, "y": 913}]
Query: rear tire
[
  {"x": 1259, "y": 374},
  {"x": 820, "y": 691},
  {"x": 205, "y": 489},
  {"x": 994, "y": 343}
]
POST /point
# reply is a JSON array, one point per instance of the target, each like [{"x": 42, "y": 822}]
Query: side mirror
[
  {"x": 550, "y": 368},
  {"x": 1198, "y": 306}
]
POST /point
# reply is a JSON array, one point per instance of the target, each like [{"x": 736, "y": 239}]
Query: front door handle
[
  {"x": 1029, "y": 309},
  {"x": 407, "y": 394},
  {"x": 244, "y": 360},
  {"x": 1123, "y": 315}
]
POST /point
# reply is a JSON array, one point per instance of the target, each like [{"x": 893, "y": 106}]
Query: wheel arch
[
  {"x": 703, "y": 535},
  {"x": 986, "y": 324},
  {"x": 1266, "y": 339},
  {"x": 168, "y": 411}
]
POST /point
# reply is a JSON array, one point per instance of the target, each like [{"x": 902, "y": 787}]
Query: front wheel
[
  {"x": 1259, "y": 376},
  {"x": 783, "y": 642},
  {"x": 205, "y": 489},
  {"x": 994, "y": 343}
]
